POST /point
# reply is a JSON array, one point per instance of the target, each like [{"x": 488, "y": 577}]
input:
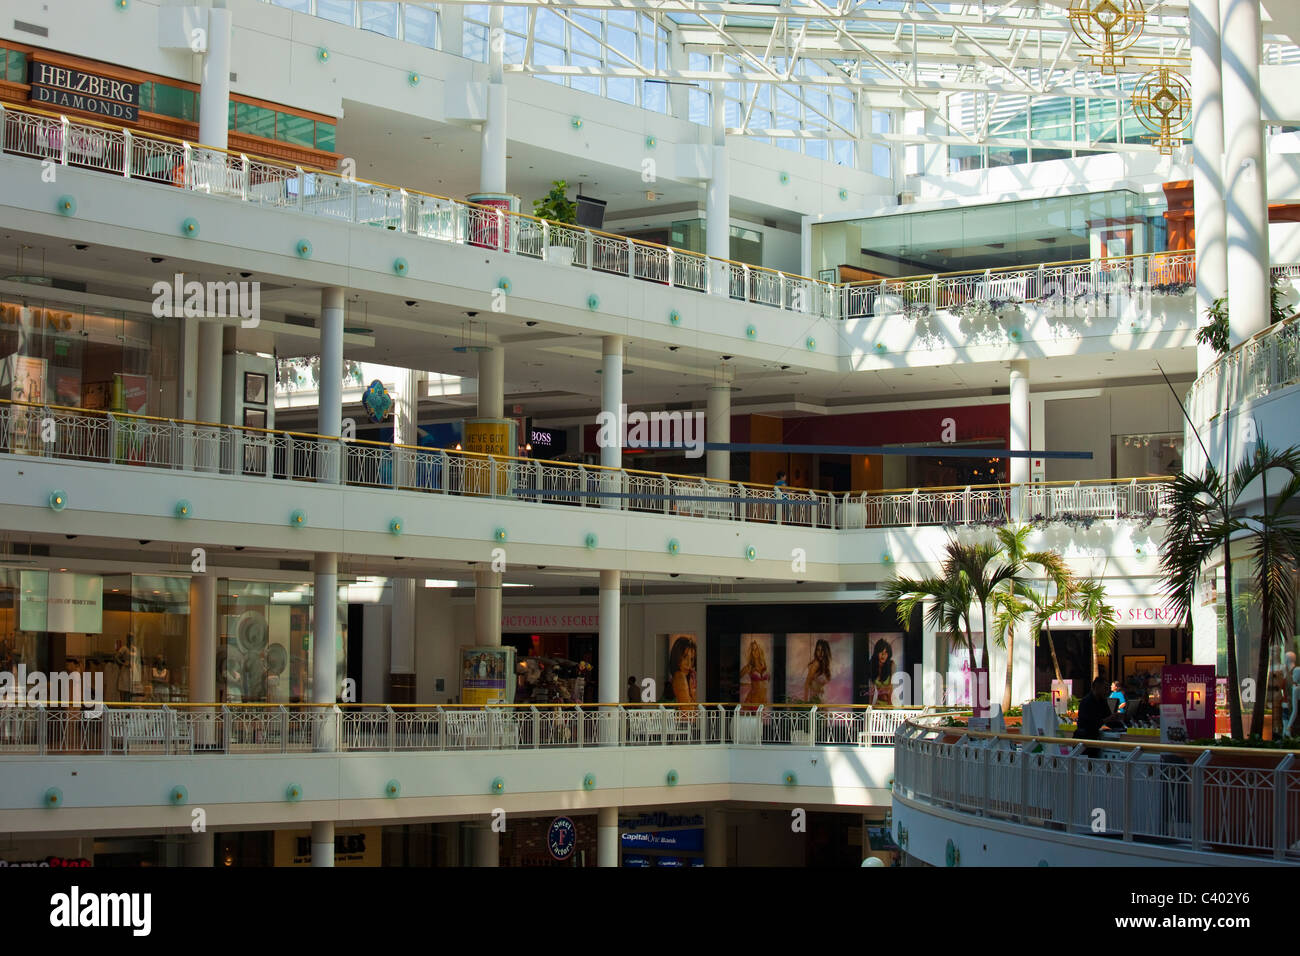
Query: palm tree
[
  {"x": 1017, "y": 599},
  {"x": 1205, "y": 517},
  {"x": 947, "y": 599},
  {"x": 988, "y": 570},
  {"x": 1090, "y": 602}
]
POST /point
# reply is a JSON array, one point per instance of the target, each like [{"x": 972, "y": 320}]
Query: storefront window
[
  {"x": 265, "y": 655},
  {"x": 13, "y": 65},
  {"x": 255, "y": 120},
  {"x": 61, "y": 354}
]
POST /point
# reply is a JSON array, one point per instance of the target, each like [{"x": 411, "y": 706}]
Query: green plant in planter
[
  {"x": 556, "y": 205},
  {"x": 1215, "y": 332}
]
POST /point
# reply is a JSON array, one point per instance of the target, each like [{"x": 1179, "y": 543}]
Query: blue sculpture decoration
[{"x": 377, "y": 402}]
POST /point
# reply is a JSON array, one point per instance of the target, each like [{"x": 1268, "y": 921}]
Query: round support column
[
  {"x": 1244, "y": 171},
  {"x": 214, "y": 89},
  {"x": 329, "y": 410},
  {"x": 607, "y": 836},
  {"x": 717, "y": 428},
  {"x": 1019, "y": 434},
  {"x": 324, "y": 683},
  {"x": 1207, "y": 167},
  {"x": 487, "y": 847},
  {"x": 609, "y": 684},
  {"x": 487, "y": 608},
  {"x": 322, "y": 844}
]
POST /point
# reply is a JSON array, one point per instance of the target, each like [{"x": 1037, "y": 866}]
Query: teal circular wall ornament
[
  {"x": 785, "y": 178},
  {"x": 393, "y": 789},
  {"x": 844, "y": 195},
  {"x": 675, "y": 317},
  {"x": 400, "y": 266},
  {"x": 121, "y": 4},
  {"x": 651, "y": 142},
  {"x": 293, "y": 793},
  {"x": 589, "y": 782},
  {"x": 58, "y": 500},
  {"x": 751, "y": 553},
  {"x": 499, "y": 534},
  {"x": 790, "y": 779},
  {"x": 303, "y": 248},
  {"x": 951, "y": 854},
  {"x": 53, "y": 798},
  {"x": 591, "y": 541},
  {"x": 673, "y": 546},
  {"x": 322, "y": 54},
  {"x": 67, "y": 206},
  {"x": 503, "y": 284},
  {"x": 395, "y": 526},
  {"x": 881, "y": 348},
  {"x": 671, "y": 779},
  {"x": 413, "y": 78},
  {"x": 297, "y": 518},
  {"x": 190, "y": 227},
  {"x": 886, "y": 558},
  {"x": 751, "y": 332},
  {"x": 183, "y": 509},
  {"x": 179, "y": 796},
  {"x": 593, "y": 302},
  {"x": 1043, "y": 863},
  {"x": 498, "y": 785},
  {"x": 576, "y": 122},
  {"x": 810, "y": 343}
]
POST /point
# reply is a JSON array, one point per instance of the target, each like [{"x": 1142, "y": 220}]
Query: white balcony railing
[
  {"x": 140, "y": 441},
  {"x": 1264, "y": 363},
  {"x": 361, "y": 728},
  {"x": 274, "y": 184},
  {"x": 1194, "y": 798}
]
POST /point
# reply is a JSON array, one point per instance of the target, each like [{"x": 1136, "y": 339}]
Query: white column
[
  {"x": 607, "y": 834},
  {"x": 715, "y": 837},
  {"x": 717, "y": 197},
  {"x": 1019, "y": 468},
  {"x": 487, "y": 847},
  {"x": 200, "y": 849},
  {"x": 203, "y": 639},
  {"x": 214, "y": 90},
  {"x": 609, "y": 686},
  {"x": 324, "y": 673},
  {"x": 717, "y": 428},
  {"x": 207, "y": 405},
  {"x": 611, "y": 395},
  {"x": 401, "y": 647},
  {"x": 329, "y": 409},
  {"x": 933, "y": 676},
  {"x": 492, "y": 164},
  {"x": 1207, "y": 166},
  {"x": 1244, "y": 170},
  {"x": 492, "y": 383},
  {"x": 487, "y": 608},
  {"x": 322, "y": 844},
  {"x": 679, "y": 99}
]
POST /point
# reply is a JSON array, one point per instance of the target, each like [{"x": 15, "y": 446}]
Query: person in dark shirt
[{"x": 1093, "y": 712}]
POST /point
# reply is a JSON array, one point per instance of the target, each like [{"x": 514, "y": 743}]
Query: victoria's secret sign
[{"x": 75, "y": 90}]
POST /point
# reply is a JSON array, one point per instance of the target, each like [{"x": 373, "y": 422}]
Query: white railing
[
  {"x": 275, "y": 184},
  {"x": 363, "y": 728},
  {"x": 271, "y": 183},
  {"x": 1205, "y": 799},
  {"x": 1264, "y": 363},
  {"x": 116, "y": 438}
]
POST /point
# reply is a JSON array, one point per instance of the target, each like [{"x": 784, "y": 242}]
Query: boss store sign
[{"x": 70, "y": 89}]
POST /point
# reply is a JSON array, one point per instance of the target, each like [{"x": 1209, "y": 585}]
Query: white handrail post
[
  {"x": 782, "y": 281},
  {"x": 537, "y": 728},
  {"x": 284, "y": 728},
  {"x": 492, "y": 477},
  {"x": 590, "y": 245},
  {"x": 1198, "y": 799},
  {"x": 582, "y": 486},
  {"x": 581, "y": 722},
  {"x": 128, "y": 144},
  {"x": 302, "y": 185},
  {"x": 748, "y": 292},
  {"x": 1279, "y": 806},
  {"x": 501, "y": 230},
  {"x": 352, "y": 207},
  {"x": 631, "y": 260},
  {"x": 761, "y": 708},
  {"x": 243, "y": 177},
  {"x": 667, "y": 492},
  {"x": 1042, "y": 283},
  {"x": 934, "y": 292},
  {"x": 546, "y": 240},
  {"x": 812, "y": 725},
  {"x": 672, "y": 262},
  {"x": 187, "y": 165},
  {"x": 403, "y": 214},
  {"x": 916, "y": 505},
  {"x": 1127, "y": 792},
  {"x": 1026, "y": 758},
  {"x": 391, "y": 719},
  {"x": 65, "y": 128}
]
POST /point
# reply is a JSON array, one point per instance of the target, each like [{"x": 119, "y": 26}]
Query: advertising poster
[
  {"x": 487, "y": 675},
  {"x": 960, "y": 689},
  {"x": 25, "y": 377},
  {"x": 884, "y": 666},
  {"x": 683, "y": 666},
  {"x": 131, "y": 395},
  {"x": 488, "y": 436},
  {"x": 1188, "y": 687},
  {"x": 362, "y": 847},
  {"x": 756, "y": 668},
  {"x": 62, "y": 603},
  {"x": 819, "y": 669}
]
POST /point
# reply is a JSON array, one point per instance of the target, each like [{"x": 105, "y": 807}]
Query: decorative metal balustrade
[
  {"x": 141, "y": 441},
  {"x": 1264, "y": 363},
  {"x": 172, "y": 729},
  {"x": 269, "y": 183},
  {"x": 1193, "y": 798}
]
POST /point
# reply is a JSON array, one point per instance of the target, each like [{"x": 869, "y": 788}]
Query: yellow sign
[
  {"x": 351, "y": 847},
  {"x": 488, "y": 436}
]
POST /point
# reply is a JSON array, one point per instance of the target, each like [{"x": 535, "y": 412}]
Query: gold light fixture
[
  {"x": 1162, "y": 102},
  {"x": 1108, "y": 28}
]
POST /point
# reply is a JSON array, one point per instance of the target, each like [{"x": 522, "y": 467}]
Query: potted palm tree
[{"x": 558, "y": 209}]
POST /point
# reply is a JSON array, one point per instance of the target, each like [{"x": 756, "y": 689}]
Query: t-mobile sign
[{"x": 1190, "y": 687}]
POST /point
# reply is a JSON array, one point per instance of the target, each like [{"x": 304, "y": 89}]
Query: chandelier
[
  {"x": 1108, "y": 28},
  {"x": 1162, "y": 102}
]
